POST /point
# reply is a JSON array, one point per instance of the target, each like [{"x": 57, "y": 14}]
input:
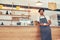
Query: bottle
[
  {"x": 31, "y": 22},
  {"x": 18, "y": 23},
  {"x": 2, "y": 23},
  {"x": 10, "y": 13},
  {"x": 6, "y": 12}
]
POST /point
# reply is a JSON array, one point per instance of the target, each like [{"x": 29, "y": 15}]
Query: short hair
[{"x": 41, "y": 9}]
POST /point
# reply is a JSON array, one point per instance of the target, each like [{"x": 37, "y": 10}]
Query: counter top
[
  {"x": 15, "y": 26},
  {"x": 26, "y": 32},
  {"x": 26, "y": 26}
]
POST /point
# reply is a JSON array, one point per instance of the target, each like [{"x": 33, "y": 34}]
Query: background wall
[
  {"x": 32, "y": 2},
  {"x": 34, "y": 15},
  {"x": 34, "y": 12}
]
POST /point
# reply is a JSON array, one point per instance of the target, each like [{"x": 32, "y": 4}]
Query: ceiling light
[{"x": 38, "y": 3}]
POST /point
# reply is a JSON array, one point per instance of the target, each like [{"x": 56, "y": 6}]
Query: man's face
[{"x": 41, "y": 12}]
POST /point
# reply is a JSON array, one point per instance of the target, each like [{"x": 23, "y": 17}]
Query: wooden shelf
[
  {"x": 22, "y": 15},
  {"x": 19, "y": 16},
  {"x": 14, "y": 15},
  {"x": 4, "y": 20},
  {"x": 16, "y": 10},
  {"x": 15, "y": 18}
]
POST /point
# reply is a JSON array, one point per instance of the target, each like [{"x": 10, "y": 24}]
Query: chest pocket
[{"x": 43, "y": 20}]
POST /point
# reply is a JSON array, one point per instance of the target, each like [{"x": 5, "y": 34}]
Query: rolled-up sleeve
[{"x": 47, "y": 17}]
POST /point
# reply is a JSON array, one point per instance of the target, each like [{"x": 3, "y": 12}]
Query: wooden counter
[
  {"x": 55, "y": 33},
  {"x": 25, "y": 33},
  {"x": 19, "y": 33}
]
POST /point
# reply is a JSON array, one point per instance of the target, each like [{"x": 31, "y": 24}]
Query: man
[{"x": 44, "y": 24}]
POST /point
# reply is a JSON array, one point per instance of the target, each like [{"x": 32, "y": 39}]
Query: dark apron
[{"x": 45, "y": 30}]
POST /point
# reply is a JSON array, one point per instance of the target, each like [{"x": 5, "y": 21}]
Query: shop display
[{"x": 14, "y": 17}]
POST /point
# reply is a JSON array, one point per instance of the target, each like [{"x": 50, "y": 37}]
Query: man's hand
[{"x": 44, "y": 24}]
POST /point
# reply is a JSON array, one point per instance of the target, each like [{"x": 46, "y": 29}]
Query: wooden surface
[
  {"x": 25, "y": 33},
  {"x": 15, "y": 18},
  {"x": 55, "y": 33},
  {"x": 19, "y": 33}
]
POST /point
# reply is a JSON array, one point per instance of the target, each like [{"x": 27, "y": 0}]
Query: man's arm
[{"x": 45, "y": 24}]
